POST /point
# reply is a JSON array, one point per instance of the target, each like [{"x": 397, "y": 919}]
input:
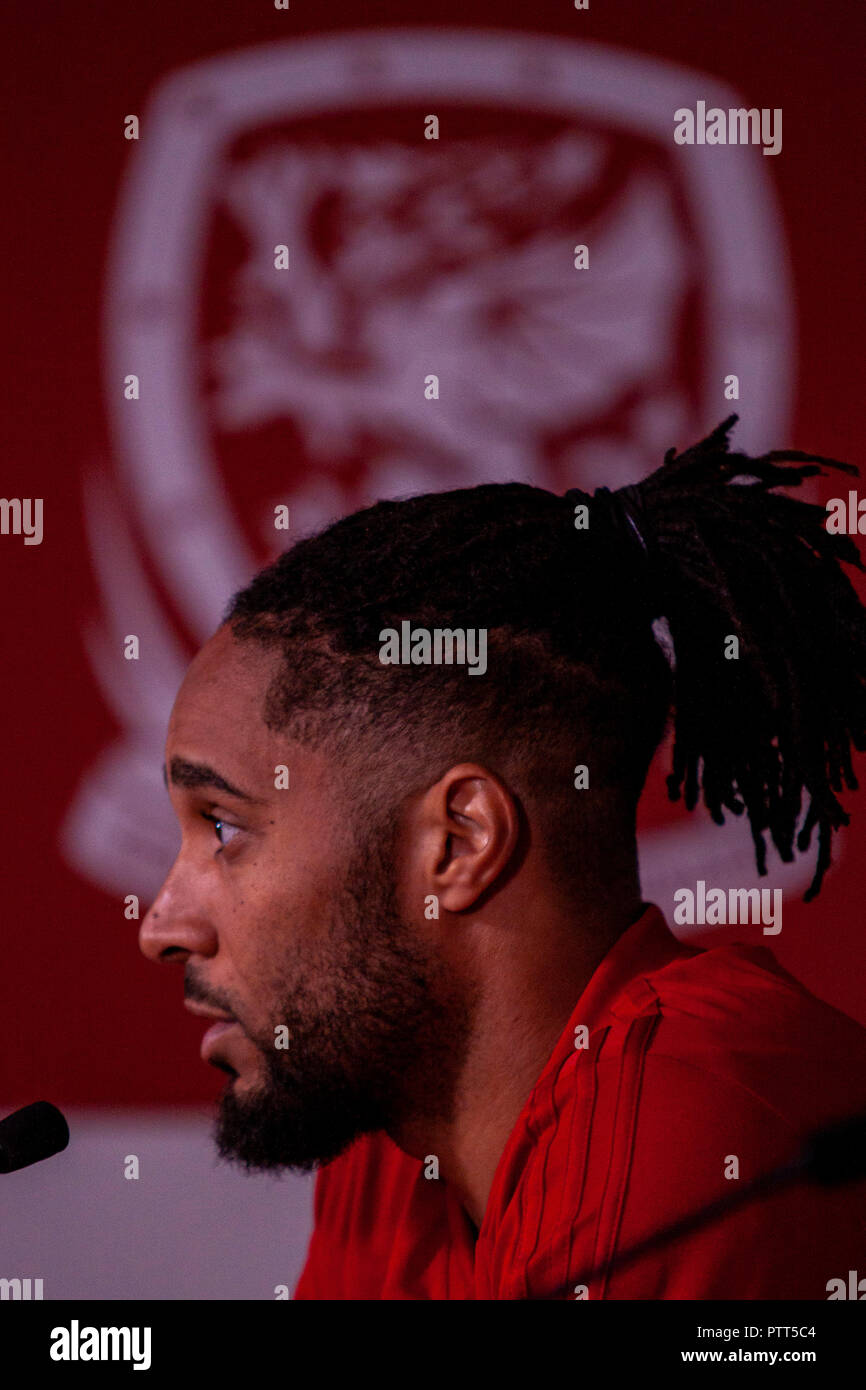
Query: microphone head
[{"x": 36, "y": 1131}]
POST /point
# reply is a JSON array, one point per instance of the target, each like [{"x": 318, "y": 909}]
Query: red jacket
[{"x": 695, "y": 1058}]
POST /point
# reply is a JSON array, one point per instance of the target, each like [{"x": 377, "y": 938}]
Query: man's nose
[{"x": 174, "y": 928}]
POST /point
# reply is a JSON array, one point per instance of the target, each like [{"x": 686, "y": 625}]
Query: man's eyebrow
[{"x": 194, "y": 775}]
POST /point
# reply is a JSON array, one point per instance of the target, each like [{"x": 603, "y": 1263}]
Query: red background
[{"x": 84, "y": 1018}]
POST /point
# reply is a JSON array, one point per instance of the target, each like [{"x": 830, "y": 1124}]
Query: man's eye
[{"x": 220, "y": 827}]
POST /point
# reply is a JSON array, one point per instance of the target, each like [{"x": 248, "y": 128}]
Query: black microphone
[
  {"x": 829, "y": 1157},
  {"x": 35, "y": 1131}
]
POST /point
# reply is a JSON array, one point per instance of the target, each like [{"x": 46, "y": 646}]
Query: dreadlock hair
[{"x": 575, "y": 671}]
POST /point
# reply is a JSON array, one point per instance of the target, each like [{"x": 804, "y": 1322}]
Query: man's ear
[{"x": 467, "y": 833}]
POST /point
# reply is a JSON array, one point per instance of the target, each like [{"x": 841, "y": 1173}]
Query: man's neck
[{"x": 523, "y": 1007}]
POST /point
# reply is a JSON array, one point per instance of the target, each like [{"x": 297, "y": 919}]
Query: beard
[{"x": 378, "y": 1031}]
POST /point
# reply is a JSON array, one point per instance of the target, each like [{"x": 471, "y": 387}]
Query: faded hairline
[{"x": 391, "y": 733}]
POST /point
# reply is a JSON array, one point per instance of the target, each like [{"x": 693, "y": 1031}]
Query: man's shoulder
[
  {"x": 711, "y": 1051},
  {"x": 701, "y": 1074},
  {"x": 730, "y": 1026},
  {"x": 734, "y": 1016}
]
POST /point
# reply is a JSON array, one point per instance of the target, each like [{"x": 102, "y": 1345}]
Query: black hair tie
[{"x": 625, "y": 511}]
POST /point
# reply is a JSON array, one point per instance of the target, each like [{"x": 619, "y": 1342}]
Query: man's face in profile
[{"x": 285, "y": 916}]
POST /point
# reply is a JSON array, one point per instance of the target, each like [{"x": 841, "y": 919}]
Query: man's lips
[
  {"x": 213, "y": 1035},
  {"x": 224, "y": 1023},
  {"x": 204, "y": 1012}
]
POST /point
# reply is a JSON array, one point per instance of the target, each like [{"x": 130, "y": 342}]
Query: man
[{"x": 407, "y": 893}]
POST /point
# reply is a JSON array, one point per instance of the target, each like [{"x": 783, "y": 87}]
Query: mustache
[{"x": 197, "y": 993}]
